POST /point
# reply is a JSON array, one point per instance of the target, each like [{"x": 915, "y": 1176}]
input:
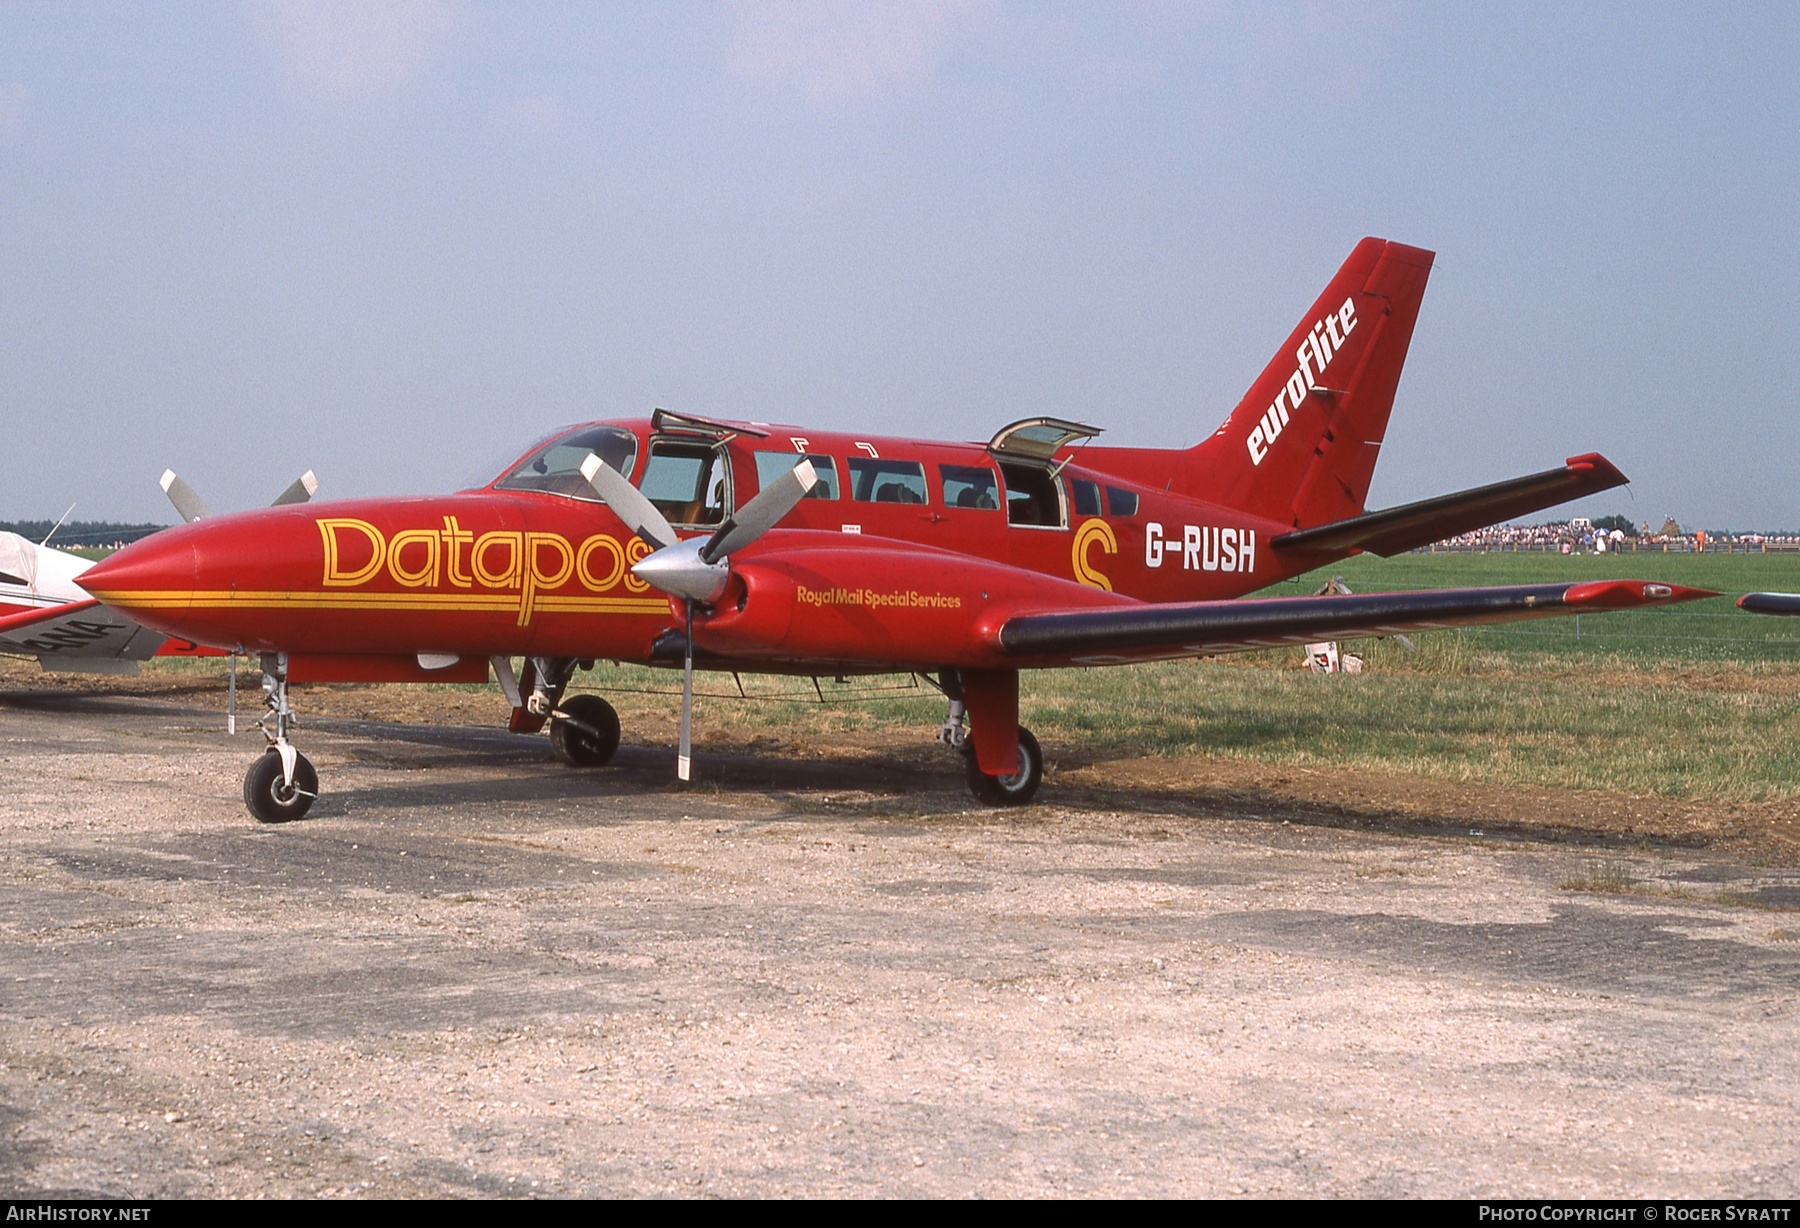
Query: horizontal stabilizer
[
  {"x": 1770, "y": 603},
  {"x": 1209, "y": 628},
  {"x": 1411, "y": 525}
]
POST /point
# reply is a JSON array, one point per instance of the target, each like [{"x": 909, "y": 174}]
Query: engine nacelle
[{"x": 883, "y": 603}]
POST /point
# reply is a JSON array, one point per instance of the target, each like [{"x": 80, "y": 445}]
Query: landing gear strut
[
  {"x": 1011, "y": 789},
  {"x": 282, "y": 783}
]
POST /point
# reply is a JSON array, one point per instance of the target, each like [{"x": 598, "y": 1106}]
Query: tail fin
[{"x": 1301, "y": 446}]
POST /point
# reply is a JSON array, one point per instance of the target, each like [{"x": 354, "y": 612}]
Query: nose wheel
[
  {"x": 281, "y": 785},
  {"x": 272, "y": 795}
]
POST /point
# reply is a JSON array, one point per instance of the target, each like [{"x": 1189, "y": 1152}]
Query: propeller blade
[
  {"x": 191, "y": 506},
  {"x": 762, "y": 513},
  {"x": 684, "y": 757},
  {"x": 304, "y": 488},
  {"x": 628, "y": 503}
]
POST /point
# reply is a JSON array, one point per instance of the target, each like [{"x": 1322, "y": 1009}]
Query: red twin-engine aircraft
[{"x": 965, "y": 563}]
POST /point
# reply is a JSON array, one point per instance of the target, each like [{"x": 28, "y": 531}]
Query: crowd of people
[{"x": 1580, "y": 536}]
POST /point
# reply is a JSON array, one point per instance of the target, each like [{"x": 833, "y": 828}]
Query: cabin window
[
  {"x": 886, "y": 481},
  {"x": 970, "y": 486},
  {"x": 1121, "y": 502},
  {"x": 688, "y": 482},
  {"x": 7, "y": 577},
  {"x": 770, "y": 466},
  {"x": 556, "y": 468},
  {"x": 1087, "y": 496},
  {"x": 1032, "y": 496}
]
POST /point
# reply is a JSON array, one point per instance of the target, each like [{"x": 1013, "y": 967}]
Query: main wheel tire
[
  {"x": 589, "y": 735},
  {"x": 1014, "y": 790},
  {"x": 265, "y": 796}
]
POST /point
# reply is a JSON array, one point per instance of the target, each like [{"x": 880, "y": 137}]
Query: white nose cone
[{"x": 680, "y": 571}]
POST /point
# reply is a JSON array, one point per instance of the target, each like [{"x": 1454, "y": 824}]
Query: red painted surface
[{"x": 364, "y": 667}]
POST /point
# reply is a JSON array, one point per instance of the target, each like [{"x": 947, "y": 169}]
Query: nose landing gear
[{"x": 281, "y": 785}]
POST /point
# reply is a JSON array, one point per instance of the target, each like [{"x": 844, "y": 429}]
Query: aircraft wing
[
  {"x": 79, "y": 636},
  {"x": 1396, "y": 530},
  {"x": 1770, "y": 603},
  {"x": 1210, "y": 628}
]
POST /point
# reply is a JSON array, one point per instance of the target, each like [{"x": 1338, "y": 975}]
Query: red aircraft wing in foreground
[{"x": 753, "y": 547}]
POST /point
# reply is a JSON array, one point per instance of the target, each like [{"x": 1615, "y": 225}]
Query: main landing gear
[
  {"x": 281, "y": 784},
  {"x": 1013, "y": 788},
  {"x": 1010, "y": 790},
  {"x": 584, "y": 729}
]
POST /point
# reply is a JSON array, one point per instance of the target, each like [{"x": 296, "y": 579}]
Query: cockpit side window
[
  {"x": 556, "y": 467},
  {"x": 690, "y": 483},
  {"x": 1033, "y": 497}
]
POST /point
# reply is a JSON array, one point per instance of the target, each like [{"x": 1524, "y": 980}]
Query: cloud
[
  {"x": 357, "y": 48},
  {"x": 848, "y": 49}
]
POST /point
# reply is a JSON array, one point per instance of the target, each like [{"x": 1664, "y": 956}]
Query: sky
[{"x": 394, "y": 243}]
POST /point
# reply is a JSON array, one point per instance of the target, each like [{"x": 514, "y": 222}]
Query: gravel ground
[{"x": 473, "y": 972}]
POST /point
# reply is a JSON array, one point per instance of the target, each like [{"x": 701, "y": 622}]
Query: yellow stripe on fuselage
[{"x": 158, "y": 599}]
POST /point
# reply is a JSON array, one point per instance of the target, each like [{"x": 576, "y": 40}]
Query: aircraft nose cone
[{"x": 153, "y": 578}]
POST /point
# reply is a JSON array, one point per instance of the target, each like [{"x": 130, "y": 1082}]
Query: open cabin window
[
  {"x": 886, "y": 481},
  {"x": 1033, "y": 497},
  {"x": 555, "y": 468},
  {"x": 771, "y": 466},
  {"x": 689, "y": 482}
]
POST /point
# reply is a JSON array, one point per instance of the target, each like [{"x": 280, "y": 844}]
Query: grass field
[{"x": 1714, "y": 629}]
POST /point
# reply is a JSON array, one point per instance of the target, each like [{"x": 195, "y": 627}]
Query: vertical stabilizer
[{"x": 1301, "y": 446}]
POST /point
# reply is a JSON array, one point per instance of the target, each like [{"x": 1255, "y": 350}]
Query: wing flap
[
  {"x": 1396, "y": 530},
  {"x": 1209, "y": 628}
]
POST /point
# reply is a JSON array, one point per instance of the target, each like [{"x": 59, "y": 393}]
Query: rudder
[{"x": 1301, "y": 446}]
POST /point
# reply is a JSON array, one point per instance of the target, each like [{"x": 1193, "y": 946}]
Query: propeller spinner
[{"x": 696, "y": 570}]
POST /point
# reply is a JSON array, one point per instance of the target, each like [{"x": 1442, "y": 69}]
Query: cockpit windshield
[{"x": 555, "y": 468}]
